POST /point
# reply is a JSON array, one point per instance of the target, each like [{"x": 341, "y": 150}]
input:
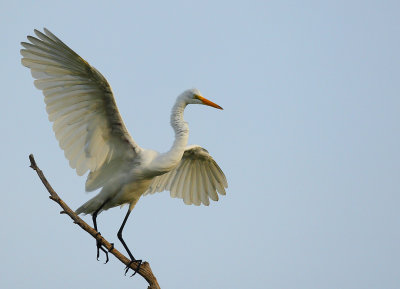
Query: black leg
[
  {"x": 126, "y": 247},
  {"x": 98, "y": 245}
]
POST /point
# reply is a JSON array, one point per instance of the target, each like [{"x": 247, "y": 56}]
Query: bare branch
[{"x": 144, "y": 270}]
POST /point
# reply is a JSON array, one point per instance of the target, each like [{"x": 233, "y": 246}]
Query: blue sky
[{"x": 308, "y": 139}]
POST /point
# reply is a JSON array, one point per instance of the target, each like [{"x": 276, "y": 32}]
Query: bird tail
[{"x": 91, "y": 206}]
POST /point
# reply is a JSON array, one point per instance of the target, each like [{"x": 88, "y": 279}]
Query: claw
[
  {"x": 98, "y": 251},
  {"x": 105, "y": 251},
  {"x": 129, "y": 267},
  {"x": 137, "y": 268},
  {"x": 99, "y": 247}
]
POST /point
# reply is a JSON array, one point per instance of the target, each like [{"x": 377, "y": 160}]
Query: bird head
[{"x": 193, "y": 96}]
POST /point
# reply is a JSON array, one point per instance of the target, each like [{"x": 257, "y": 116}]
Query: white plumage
[
  {"x": 196, "y": 179},
  {"x": 90, "y": 130}
]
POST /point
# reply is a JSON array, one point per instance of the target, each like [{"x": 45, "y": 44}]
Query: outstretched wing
[
  {"x": 196, "y": 179},
  {"x": 80, "y": 103}
]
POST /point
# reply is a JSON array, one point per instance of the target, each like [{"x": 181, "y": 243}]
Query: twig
[{"x": 144, "y": 270}]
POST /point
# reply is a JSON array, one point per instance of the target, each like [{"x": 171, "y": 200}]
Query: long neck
[
  {"x": 168, "y": 160},
  {"x": 181, "y": 129}
]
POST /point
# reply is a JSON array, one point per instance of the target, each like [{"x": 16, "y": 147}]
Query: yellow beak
[{"x": 208, "y": 102}]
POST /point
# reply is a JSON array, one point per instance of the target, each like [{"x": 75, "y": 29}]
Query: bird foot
[
  {"x": 129, "y": 266},
  {"x": 100, "y": 247}
]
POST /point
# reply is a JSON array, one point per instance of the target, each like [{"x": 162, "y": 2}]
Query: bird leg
[
  {"x": 98, "y": 244},
  {"x": 126, "y": 247}
]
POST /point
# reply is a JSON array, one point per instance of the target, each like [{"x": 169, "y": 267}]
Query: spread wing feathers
[
  {"x": 80, "y": 103},
  {"x": 196, "y": 179}
]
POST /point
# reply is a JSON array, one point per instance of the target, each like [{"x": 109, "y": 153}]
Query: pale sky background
[{"x": 308, "y": 139}]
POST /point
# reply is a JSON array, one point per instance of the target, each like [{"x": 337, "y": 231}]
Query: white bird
[{"x": 90, "y": 130}]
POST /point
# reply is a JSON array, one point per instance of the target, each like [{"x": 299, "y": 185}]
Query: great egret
[{"x": 90, "y": 130}]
